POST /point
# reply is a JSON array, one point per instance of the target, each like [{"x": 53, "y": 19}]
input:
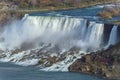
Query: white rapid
[{"x": 36, "y": 38}]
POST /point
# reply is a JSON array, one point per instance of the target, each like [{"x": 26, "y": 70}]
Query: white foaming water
[
  {"x": 61, "y": 31},
  {"x": 32, "y": 33},
  {"x": 48, "y": 29},
  {"x": 96, "y": 35}
]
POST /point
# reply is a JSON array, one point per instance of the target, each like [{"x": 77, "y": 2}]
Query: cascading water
[
  {"x": 95, "y": 35},
  {"x": 64, "y": 32},
  {"x": 37, "y": 36},
  {"x": 113, "y": 39},
  {"x": 113, "y": 36}
]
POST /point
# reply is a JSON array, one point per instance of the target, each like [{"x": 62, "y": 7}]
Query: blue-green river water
[{"x": 13, "y": 72}]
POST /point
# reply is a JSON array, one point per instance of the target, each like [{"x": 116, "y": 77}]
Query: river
[{"x": 9, "y": 71}]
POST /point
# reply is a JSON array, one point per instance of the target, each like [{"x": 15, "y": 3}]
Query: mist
[
  {"x": 30, "y": 32},
  {"x": 61, "y": 32}
]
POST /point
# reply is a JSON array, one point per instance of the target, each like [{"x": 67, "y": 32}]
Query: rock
[
  {"x": 80, "y": 66},
  {"x": 109, "y": 12},
  {"x": 105, "y": 63}
]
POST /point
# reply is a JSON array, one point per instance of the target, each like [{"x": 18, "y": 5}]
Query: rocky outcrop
[
  {"x": 104, "y": 63},
  {"x": 109, "y": 12}
]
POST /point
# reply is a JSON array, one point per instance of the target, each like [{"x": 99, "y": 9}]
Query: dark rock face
[
  {"x": 104, "y": 63},
  {"x": 80, "y": 66}
]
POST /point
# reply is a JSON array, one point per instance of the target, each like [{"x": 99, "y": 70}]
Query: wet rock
[{"x": 105, "y": 63}]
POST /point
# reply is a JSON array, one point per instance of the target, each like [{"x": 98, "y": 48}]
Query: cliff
[{"x": 105, "y": 63}]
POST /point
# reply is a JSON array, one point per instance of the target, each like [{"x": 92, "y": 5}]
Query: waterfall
[
  {"x": 36, "y": 37},
  {"x": 113, "y": 36},
  {"x": 96, "y": 35},
  {"x": 55, "y": 23},
  {"x": 63, "y": 32}
]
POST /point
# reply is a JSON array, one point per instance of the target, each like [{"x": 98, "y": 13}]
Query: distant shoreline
[
  {"x": 25, "y": 11},
  {"x": 19, "y": 13}
]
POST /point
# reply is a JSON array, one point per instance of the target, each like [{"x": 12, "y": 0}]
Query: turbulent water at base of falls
[{"x": 35, "y": 40}]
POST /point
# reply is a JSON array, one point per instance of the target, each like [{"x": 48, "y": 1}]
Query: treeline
[{"x": 53, "y": 3}]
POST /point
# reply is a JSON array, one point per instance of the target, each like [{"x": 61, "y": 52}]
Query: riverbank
[
  {"x": 54, "y": 8},
  {"x": 63, "y": 8}
]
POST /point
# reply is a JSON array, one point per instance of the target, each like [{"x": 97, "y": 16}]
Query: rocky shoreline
[{"x": 105, "y": 63}]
